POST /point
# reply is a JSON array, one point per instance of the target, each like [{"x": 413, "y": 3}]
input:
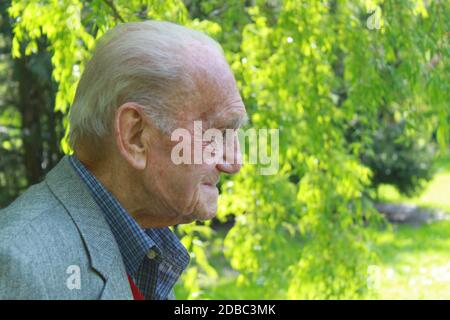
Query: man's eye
[{"x": 214, "y": 140}]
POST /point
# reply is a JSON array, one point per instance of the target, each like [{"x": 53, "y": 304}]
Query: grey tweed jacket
[{"x": 56, "y": 244}]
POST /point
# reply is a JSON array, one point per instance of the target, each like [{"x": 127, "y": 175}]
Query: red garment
[{"x": 137, "y": 295}]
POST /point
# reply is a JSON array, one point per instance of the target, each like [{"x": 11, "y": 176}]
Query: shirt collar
[{"x": 134, "y": 242}]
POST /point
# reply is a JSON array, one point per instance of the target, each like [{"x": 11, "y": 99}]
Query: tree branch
[{"x": 116, "y": 13}]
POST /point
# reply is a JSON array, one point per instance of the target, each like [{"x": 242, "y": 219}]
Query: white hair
[{"x": 133, "y": 62}]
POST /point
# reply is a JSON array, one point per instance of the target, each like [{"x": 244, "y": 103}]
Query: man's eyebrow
[{"x": 234, "y": 120}]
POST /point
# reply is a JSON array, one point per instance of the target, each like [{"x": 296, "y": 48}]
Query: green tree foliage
[
  {"x": 30, "y": 128},
  {"x": 309, "y": 69},
  {"x": 399, "y": 158}
]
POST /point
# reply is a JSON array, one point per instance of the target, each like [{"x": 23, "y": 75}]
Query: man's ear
[{"x": 129, "y": 129}]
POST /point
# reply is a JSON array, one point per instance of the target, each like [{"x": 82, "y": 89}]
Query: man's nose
[
  {"x": 229, "y": 168},
  {"x": 232, "y": 159}
]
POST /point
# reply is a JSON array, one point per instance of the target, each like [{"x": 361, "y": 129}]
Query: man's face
[{"x": 188, "y": 191}]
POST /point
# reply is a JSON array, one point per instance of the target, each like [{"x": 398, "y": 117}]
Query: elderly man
[{"x": 97, "y": 226}]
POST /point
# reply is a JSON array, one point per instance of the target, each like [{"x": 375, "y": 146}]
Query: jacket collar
[{"x": 67, "y": 186}]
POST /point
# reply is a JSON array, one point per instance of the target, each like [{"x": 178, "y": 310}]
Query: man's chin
[
  {"x": 207, "y": 216},
  {"x": 199, "y": 216}
]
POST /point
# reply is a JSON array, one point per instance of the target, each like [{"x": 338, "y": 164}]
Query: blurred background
[{"x": 359, "y": 208}]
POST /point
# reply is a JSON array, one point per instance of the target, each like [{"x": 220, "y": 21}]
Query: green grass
[{"x": 414, "y": 262}]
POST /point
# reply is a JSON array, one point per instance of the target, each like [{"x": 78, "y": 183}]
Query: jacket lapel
[{"x": 104, "y": 254}]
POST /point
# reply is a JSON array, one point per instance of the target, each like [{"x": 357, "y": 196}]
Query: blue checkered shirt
[{"x": 154, "y": 258}]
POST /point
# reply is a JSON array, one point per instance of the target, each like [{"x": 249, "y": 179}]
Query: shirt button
[{"x": 151, "y": 254}]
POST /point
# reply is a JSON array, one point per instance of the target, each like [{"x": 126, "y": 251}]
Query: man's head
[{"x": 145, "y": 80}]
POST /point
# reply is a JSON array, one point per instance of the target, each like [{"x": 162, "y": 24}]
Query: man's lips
[{"x": 210, "y": 184}]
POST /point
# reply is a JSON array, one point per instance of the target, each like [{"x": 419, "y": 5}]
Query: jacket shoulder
[
  {"x": 40, "y": 248},
  {"x": 36, "y": 200}
]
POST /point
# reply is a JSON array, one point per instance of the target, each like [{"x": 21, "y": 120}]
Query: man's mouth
[
  {"x": 208, "y": 184},
  {"x": 212, "y": 182}
]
